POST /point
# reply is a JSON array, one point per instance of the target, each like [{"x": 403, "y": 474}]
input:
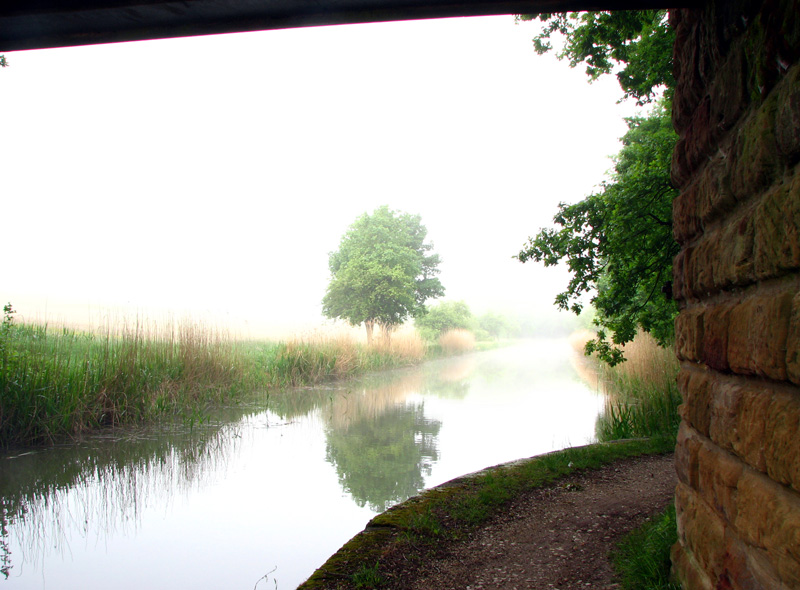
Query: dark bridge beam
[{"x": 37, "y": 24}]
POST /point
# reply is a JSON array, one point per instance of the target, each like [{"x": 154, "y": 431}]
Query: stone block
[
  {"x": 680, "y": 171},
  {"x": 769, "y": 517},
  {"x": 758, "y": 330},
  {"x": 699, "y": 136},
  {"x": 739, "y": 419},
  {"x": 716, "y": 321},
  {"x": 706, "y": 255},
  {"x": 689, "y": 335},
  {"x": 680, "y": 274},
  {"x": 695, "y": 388},
  {"x": 687, "y": 571},
  {"x": 777, "y": 230},
  {"x": 734, "y": 266},
  {"x": 787, "y": 118},
  {"x": 756, "y": 163},
  {"x": 718, "y": 477},
  {"x": 729, "y": 94},
  {"x": 793, "y": 342},
  {"x": 701, "y": 531},
  {"x": 686, "y": 224},
  {"x": 715, "y": 197},
  {"x": 781, "y": 437},
  {"x": 686, "y": 449}
]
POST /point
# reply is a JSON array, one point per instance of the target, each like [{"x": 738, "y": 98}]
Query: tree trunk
[{"x": 369, "y": 324}]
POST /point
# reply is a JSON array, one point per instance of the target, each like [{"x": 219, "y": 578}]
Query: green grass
[
  {"x": 368, "y": 577},
  {"x": 642, "y": 559}
]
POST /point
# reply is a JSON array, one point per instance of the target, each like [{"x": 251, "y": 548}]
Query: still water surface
[{"x": 259, "y": 498}]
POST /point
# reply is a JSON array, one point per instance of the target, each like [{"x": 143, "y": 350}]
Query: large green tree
[
  {"x": 618, "y": 243},
  {"x": 383, "y": 271}
]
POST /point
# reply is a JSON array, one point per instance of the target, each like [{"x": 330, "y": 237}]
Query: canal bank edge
[{"x": 445, "y": 512}]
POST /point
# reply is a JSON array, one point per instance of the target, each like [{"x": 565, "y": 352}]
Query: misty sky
[{"x": 213, "y": 175}]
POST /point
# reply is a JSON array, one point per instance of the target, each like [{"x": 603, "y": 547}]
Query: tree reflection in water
[{"x": 382, "y": 461}]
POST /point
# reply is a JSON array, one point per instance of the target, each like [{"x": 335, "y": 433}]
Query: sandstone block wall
[{"x": 737, "y": 278}]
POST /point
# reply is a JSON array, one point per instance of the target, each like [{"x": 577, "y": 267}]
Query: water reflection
[
  {"x": 381, "y": 461},
  {"x": 99, "y": 486},
  {"x": 280, "y": 481}
]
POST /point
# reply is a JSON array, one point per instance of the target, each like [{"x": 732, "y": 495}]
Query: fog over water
[{"x": 212, "y": 176}]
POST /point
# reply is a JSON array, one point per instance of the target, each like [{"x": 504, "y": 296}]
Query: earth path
[{"x": 556, "y": 537}]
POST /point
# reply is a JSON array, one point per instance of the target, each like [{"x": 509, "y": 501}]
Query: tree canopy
[
  {"x": 383, "y": 271},
  {"x": 445, "y": 316},
  {"x": 618, "y": 243},
  {"x": 634, "y": 44}
]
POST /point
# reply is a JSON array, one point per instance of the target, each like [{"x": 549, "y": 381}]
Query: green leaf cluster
[
  {"x": 383, "y": 271},
  {"x": 618, "y": 243},
  {"x": 445, "y": 316},
  {"x": 634, "y": 44}
]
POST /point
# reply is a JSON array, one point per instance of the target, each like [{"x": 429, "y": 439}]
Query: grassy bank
[
  {"x": 57, "y": 382},
  {"x": 423, "y": 524}
]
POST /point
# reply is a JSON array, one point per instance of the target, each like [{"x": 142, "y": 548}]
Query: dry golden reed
[{"x": 457, "y": 341}]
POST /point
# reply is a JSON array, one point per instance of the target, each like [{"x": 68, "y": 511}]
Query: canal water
[{"x": 259, "y": 495}]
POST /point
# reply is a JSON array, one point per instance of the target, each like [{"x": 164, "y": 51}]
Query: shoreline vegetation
[{"x": 57, "y": 382}]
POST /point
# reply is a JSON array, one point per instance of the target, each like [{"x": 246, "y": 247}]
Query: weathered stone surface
[
  {"x": 706, "y": 254},
  {"x": 757, "y": 335},
  {"x": 729, "y": 94},
  {"x": 695, "y": 389},
  {"x": 787, "y": 119},
  {"x": 738, "y": 419},
  {"x": 755, "y": 154},
  {"x": 769, "y": 517},
  {"x": 681, "y": 268},
  {"x": 736, "y": 522},
  {"x": 737, "y": 111},
  {"x": 757, "y": 422},
  {"x": 777, "y": 230},
  {"x": 781, "y": 441},
  {"x": 715, "y": 195},
  {"x": 701, "y": 532},
  {"x": 687, "y": 571},
  {"x": 685, "y": 219},
  {"x": 716, "y": 322},
  {"x": 689, "y": 335},
  {"x": 793, "y": 342}
]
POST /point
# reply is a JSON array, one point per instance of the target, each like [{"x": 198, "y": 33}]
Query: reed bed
[
  {"x": 642, "y": 393},
  {"x": 457, "y": 341},
  {"x": 56, "y": 382},
  {"x": 322, "y": 357},
  {"x": 642, "y": 396}
]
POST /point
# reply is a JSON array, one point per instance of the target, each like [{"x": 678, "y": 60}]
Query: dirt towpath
[{"x": 557, "y": 537}]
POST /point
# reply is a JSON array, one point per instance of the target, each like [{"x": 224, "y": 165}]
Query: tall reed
[
  {"x": 57, "y": 381},
  {"x": 320, "y": 357},
  {"x": 642, "y": 396},
  {"x": 457, "y": 341}
]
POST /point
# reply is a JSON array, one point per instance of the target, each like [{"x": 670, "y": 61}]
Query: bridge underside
[{"x": 41, "y": 24}]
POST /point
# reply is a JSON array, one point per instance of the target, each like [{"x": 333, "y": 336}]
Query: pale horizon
[{"x": 210, "y": 177}]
